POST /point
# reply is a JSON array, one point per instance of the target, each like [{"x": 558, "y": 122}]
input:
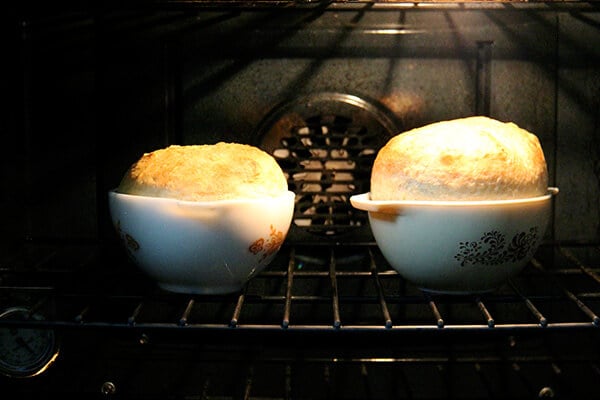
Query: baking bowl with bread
[
  {"x": 459, "y": 206},
  {"x": 202, "y": 219}
]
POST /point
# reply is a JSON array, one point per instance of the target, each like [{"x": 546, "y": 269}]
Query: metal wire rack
[
  {"x": 332, "y": 314},
  {"x": 316, "y": 287}
]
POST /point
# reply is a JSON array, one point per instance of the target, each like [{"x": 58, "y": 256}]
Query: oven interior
[{"x": 321, "y": 86}]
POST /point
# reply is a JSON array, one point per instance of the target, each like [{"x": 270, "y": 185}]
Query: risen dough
[
  {"x": 205, "y": 172},
  {"x": 475, "y": 158}
]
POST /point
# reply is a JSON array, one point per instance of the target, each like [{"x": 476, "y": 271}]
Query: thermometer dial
[{"x": 24, "y": 351}]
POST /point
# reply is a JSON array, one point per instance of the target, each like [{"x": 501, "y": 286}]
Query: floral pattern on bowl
[
  {"x": 267, "y": 246},
  {"x": 131, "y": 244},
  {"x": 497, "y": 252}
]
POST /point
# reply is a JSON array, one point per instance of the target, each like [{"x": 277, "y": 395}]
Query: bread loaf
[
  {"x": 219, "y": 171},
  {"x": 475, "y": 158}
]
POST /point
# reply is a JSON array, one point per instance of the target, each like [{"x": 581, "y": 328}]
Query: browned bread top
[
  {"x": 475, "y": 158},
  {"x": 205, "y": 172}
]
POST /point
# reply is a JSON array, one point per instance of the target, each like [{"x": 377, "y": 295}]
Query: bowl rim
[
  {"x": 363, "y": 202},
  {"x": 208, "y": 203}
]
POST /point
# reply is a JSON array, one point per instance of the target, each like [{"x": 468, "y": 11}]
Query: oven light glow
[
  {"x": 373, "y": 360},
  {"x": 393, "y": 31}
]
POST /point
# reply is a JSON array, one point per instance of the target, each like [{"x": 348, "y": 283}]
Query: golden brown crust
[
  {"x": 475, "y": 158},
  {"x": 205, "y": 173}
]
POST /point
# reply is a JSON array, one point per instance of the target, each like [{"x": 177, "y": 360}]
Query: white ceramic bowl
[
  {"x": 211, "y": 247},
  {"x": 458, "y": 247}
]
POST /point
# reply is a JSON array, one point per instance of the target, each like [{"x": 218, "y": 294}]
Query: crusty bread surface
[
  {"x": 474, "y": 158},
  {"x": 220, "y": 171}
]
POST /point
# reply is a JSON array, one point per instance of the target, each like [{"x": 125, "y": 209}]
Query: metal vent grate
[
  {"x": 326, "y": 144},
  {"x": 327, "y": 161}
]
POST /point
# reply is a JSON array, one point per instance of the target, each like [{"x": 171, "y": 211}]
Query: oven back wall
[{"x": 90, "y": 92}]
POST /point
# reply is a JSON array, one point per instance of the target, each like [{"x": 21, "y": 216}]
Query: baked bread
[
  {"x": 475, "y": 158},
  {"x": 205, "y": 172}
]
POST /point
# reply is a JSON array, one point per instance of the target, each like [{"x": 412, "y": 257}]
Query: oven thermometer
[{"x": 25, "y": 352}]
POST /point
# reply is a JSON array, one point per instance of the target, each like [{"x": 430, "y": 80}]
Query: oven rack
[
  {"x": 538, "y": 5},
  {"x": 319, "y": 287}
]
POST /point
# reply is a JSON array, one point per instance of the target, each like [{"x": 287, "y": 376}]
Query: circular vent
[{"x": 326, "y": 144}]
